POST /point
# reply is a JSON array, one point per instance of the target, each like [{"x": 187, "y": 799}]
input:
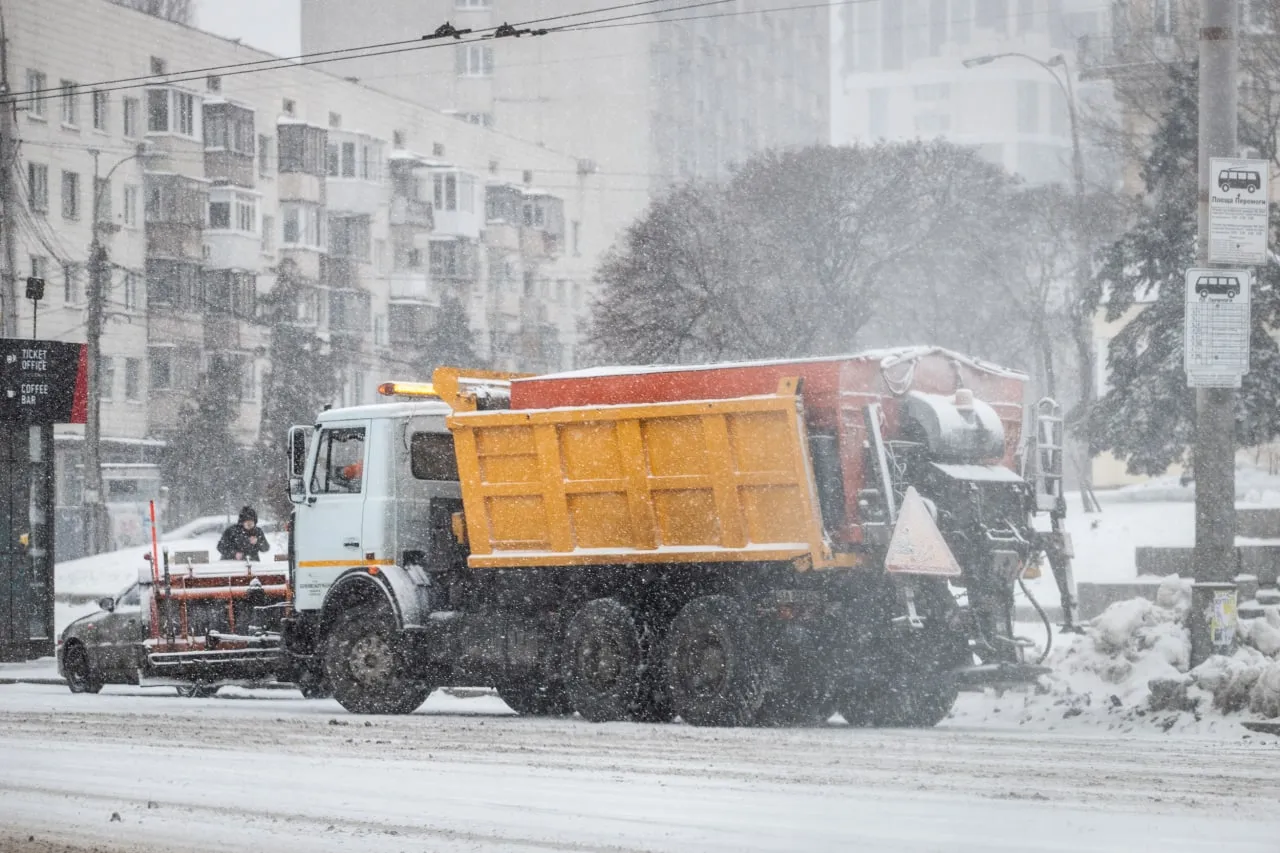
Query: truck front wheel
[
  {"x": 713, "y": 664},
  {"x": 602, "y": 661},
  {"x": 364, "y": 663}
]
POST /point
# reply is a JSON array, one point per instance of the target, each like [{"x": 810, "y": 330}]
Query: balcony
[
  {"x": 354, "y": 173},
  {"x": 230, "y": 143},
  {"x": 413, "y": 287},
  {"x": 411, "y": 212},
  {"x": 458, "y": 203},
  {"x": 175, "y": 215}
]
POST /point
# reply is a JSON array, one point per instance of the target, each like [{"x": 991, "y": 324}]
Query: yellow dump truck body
[{"x": 689, "y": 482}]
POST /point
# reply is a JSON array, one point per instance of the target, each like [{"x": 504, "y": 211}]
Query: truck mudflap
[{"x": 998, "y": 675}]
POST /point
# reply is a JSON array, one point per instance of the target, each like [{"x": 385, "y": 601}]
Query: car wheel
[
  {"x": 1252, "y": 188},
  {"x": 1231, "y": 294},
  {"x": 1224, "y": 187},
  {"x": 78, "y": 671}
]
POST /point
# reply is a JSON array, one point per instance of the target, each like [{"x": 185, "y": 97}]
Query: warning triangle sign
[{"x": 917, "y": 546}]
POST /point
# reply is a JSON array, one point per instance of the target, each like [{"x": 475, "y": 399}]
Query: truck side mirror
[
  {"x": 108, "y": 604},
  {"x": 297, "y": 452}
]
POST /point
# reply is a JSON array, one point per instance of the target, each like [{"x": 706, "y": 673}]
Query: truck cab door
[{"x": 328, "y": 535}]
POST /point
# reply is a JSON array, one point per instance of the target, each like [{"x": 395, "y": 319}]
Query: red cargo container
[{"x": 837, "y": 391}]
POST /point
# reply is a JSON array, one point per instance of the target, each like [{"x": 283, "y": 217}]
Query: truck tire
[
  {"x": 603, "y": 661},
  {"x": 536, "y": 700},
  {"x": 713, "y": 665},
  {"x": 78, "y": 671},
  {"x": 364, "y": 664}
]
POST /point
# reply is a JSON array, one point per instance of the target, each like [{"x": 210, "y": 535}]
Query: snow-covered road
[{"x": 270, "y": 771}]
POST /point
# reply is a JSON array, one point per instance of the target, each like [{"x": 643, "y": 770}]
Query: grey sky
[{"x": 266, "y": 24}]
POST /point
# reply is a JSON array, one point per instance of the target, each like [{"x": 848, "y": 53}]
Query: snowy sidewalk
[{"x": 41, "y": 671}]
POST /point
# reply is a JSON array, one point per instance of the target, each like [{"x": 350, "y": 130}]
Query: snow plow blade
[{"x": 998, "y": 674}]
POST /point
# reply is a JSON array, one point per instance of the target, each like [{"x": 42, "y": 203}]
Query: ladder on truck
[{"x": 1048, "y": 456}]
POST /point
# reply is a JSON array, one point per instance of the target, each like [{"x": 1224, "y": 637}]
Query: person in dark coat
[{"x": 243, "y": 540}]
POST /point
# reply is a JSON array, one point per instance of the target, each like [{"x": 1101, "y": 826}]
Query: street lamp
[
  {"x": 96, "y": 520},
  {"x": 1084, "y": 326}
]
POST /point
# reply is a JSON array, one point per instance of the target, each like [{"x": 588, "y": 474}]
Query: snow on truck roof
[
  {"x": 887, "y": 358},
  {"x": 371, "y": 411}
]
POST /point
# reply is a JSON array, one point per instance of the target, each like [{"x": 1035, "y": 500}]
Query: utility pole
[
  {"x": 1214, "y": 558},
  {"x": 95, "y": 518},
  {"x": 8, "y": 196}
]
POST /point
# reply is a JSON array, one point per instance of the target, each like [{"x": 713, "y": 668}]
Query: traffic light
[{"x": 35, "y": 288}]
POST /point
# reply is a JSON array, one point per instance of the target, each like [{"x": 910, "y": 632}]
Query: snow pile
[{"x": 1131, "y": 671}]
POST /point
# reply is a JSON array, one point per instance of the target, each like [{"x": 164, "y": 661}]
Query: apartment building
[
  {"x": 650, "y": 96},
  {"x": 212, "y": 187},
  {"x": 903, "y": 76}
]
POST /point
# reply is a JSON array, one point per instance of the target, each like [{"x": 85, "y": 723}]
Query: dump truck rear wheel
[
  {"x": 536, "y": 700},
  {"x": 197, "y": 690},
  {"x": 364, "y": 663},
  {"x": 713, "y": 664},
  {"x": 602, "y": 661}
]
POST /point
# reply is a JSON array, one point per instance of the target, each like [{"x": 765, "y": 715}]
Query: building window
[
  {"x": 70, "y": 284},
  {"x": 219, "y": 216},
  {"x": 335, "y": 120},
  {"x": 266, "y": 155},
  {"x": 1164, "y": 17},
  {"x": 37, "y": 83},
  {"x": 131, "y": 206},
  {"x": 577, "y": 236},
  {"x": 213, "y": 83},
  {"x": 268, "y": 234},
  {"x": 158, "y": 110},
  {"x": 70, "y": 195},
  {"x": 371, "y": 162},
  {"x": 302, "y": 225},
  {"x": 1028, "y": 107},
  {"x": 129, "y": 107},
  {"x": 289, "y": 106},
  {"x": 38, "y": 187},
  {"x": 70, "y": 103},
  {"x": 446, "y": 192},
  {"x": 160, "y": 368},
  {"x": 184, "y": 113},
  {"x": 102, "y": 200},
  {"x": 171, "y": 111},
  {"x": 100, "y": 101},
  {"x": 133, "y": 379},
  {"x": 132, "y": 289},
  {"x": 246, "y": 214},
  {"x": 106, "y": 377},
  {"x": 158, "y": 66},
  {"x": 474, "y": 60}
]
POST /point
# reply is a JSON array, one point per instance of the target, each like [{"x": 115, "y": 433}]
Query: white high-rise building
[{"x": 902, "y": 75}]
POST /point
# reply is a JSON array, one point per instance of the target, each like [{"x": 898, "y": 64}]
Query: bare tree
[
  {"x": 811, "y": 252},
  {"x": 182, "y": 11}
]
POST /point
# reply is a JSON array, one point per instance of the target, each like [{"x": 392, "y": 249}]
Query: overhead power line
[{"x": 275, "y": 63}]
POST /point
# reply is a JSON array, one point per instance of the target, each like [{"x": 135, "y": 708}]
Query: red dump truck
[{"x": 758, "y": 543}]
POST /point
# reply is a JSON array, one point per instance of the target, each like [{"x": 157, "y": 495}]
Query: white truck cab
[{"x": 370, "y": 477}]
